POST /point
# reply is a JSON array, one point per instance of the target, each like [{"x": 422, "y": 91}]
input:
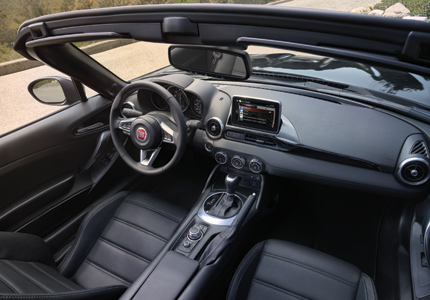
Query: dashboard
[{"x": 259, "y": 128}]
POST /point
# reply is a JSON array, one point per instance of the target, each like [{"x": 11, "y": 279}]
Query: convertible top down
[{"x": 272, "y": 127}]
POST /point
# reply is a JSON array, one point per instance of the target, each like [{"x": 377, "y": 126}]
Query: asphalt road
[{"x": 18, "y": 108}]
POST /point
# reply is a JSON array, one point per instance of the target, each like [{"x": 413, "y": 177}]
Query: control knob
[
  {"x": 238, "y": 161},
  {"x": 194, "y": 233},
  {"x": 256, "y": 165},
  {"x": 221, "y": 157}
]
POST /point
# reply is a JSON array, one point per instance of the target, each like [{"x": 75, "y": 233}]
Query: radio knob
[
  {"x": 238, "y": 161},
  {"x": 221, "y": 157},
  {"x": 256, "y": 165}
]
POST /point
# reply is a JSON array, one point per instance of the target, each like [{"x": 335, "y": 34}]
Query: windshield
[
  {"x": 129, "y": 60},
  {"x": 412, "y": 87}
]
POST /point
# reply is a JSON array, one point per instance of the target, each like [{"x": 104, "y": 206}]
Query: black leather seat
[
  {"x": 276, "y": 269},
  {"x": 116, "y": 241}
]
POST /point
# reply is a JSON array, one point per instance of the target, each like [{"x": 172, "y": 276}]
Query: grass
[
  {"x": 7, "y": 53},
  {"x": 418, "y": 8}
]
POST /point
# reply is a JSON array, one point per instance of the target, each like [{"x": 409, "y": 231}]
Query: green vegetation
[
  {"x": 418, "y": 8},
  {"x": 14, "y": 12}
]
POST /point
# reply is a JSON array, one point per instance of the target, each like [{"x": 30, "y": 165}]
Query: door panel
[{"x": 42, "y": 178}]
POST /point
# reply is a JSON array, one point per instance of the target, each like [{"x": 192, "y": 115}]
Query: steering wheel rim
[{"x": 146, "y": 122}]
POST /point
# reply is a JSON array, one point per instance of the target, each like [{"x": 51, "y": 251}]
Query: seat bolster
[
  {"x": 104, "y": 293},
  {"x": 366, "y": 289},
  {"x": 88, "y": 233},
  {"x": 24, "y": 247},
  {"x": 242, "y": 279}
]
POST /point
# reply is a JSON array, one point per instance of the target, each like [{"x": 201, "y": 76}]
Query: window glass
[{"x": 128, "y": 59}]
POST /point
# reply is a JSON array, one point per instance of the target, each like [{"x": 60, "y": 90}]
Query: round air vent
[
  {"x": 414, "y": 171},
  {"x": 214, "y": 128}
]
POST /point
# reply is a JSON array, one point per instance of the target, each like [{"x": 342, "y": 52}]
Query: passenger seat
[{"x": 276, "y": 269}]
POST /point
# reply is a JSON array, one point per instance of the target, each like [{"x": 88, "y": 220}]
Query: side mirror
[
  {"x": 54, "y": 91},
  {"x": 225, "y": 63}
]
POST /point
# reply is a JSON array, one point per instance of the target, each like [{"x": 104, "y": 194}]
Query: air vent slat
[{"x": 419, "y": 148}]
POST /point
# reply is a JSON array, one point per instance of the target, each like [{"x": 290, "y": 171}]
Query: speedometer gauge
[
  {"x": 197, "y": 106},
  {"x": 180, "y": 96}
]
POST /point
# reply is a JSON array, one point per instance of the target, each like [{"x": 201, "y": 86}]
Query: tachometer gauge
[
  {"x": 180, "y": 96},
  {"x": 158, "y": 102},
  {"x": 197, "y": 106}
]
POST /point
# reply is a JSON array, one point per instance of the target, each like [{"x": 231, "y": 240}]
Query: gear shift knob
[{"x": 231, "y": 183}]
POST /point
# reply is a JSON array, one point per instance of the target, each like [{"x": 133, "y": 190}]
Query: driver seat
[{"x": 116, "y": 241}]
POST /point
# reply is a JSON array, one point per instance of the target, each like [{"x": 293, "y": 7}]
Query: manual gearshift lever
[{"x": 231, "y": 183}]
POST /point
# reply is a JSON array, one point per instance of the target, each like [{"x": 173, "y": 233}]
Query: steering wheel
[{"x": 150, "y": 131}]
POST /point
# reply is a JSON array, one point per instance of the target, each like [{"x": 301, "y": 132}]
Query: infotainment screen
[{"x": 256, "y": 113}]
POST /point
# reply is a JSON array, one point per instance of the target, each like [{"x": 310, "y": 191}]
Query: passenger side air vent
[
  {"x": 214, "y": 128},
  {"x": 413, "y": 167},
  {"x": 414, "y": 171},
  {"x": 419, "y": 148}
]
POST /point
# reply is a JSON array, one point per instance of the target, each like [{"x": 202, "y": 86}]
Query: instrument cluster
[{"x": 191, "y": 104}]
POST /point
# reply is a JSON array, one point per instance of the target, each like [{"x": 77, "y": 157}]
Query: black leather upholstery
[
  {"x": 281, "y": 270},
  {"x": 115, "y": 243}
]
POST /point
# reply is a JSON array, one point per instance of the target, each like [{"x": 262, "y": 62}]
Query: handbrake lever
[{"x": 217, "y": 246}]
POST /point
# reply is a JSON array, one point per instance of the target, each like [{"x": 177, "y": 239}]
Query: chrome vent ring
[
  {"x": 414, "y": 171},
  {"x": 214, "y": 128}
]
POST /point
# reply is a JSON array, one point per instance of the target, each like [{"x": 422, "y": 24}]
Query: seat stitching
[
  {"x": 311, "y": 268},
  {"x": 154, "y": 210},
  {"x": 26, "y": 276},
  {"x": 82, "y": 227},
  {"x": 43, "y": 296},
  {"x": 8, "y": 284},
  {"x": 50, "y": 276},
  {"x": 125, "y": 250},
  {"x": 106, "y": 271},
  {"x": 279, "y": 289},
  {"x": 139, "y": 228}
]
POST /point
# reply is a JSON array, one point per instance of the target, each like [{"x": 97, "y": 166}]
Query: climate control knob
[
  {"x": 238, "y": 161},
  {"x": 256, "y": 165},
  {"x": 221, "y": 157}
]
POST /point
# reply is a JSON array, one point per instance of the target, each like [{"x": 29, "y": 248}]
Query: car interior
[{"x": 220, "y": 176}]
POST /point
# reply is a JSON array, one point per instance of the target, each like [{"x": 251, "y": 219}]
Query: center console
[{"x": 203, "y": 244}]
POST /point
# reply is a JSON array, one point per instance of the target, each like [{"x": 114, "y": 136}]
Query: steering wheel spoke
[
  {"x": 148, "y": 157},
  {"x": 125, "y": 125},
  {"x": 168, "y": 133}
]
